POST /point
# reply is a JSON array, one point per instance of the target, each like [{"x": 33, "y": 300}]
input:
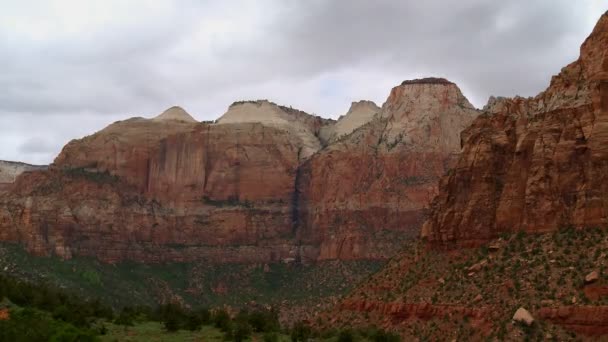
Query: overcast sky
[{"x": 69, "y": 68}]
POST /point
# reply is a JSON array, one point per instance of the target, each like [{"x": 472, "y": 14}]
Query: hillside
[{"x": 517, "y": 232}]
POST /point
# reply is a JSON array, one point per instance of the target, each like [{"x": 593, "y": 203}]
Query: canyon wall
[
  {"x": 264, "y": 183},
  {"x": 535, "y": 164}
]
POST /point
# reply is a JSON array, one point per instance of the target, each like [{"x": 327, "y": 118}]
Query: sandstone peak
[
  {"x": 304, "y": 126},
  {"x": 363, "y": 104},
  {"x": 427, "y": 115},
  {"x": 359, "y": 113},
  {"x": 427, "y": 80},
  {"x": 493, "y": 103},
  {"x": 175, "y": 113}
]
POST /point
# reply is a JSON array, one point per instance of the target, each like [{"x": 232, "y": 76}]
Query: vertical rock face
[
  {"x": 533, "y": 164},
  {"x": 163, "y": 189},
  {"x": 362, "y": 194}
]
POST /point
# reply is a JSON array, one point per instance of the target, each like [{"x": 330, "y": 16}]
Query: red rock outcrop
[
  {"x": 393, "y": 314},
  {"x": 152, "y": 190},
  {"x": 366, "y": 192},
  {"x": 586, "y": 320},
  {"x": 533, "y": 164}
]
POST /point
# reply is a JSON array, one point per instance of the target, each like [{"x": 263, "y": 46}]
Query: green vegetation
[
  {"x": 44, "y": 313},
  {"x": 197, "y": 284},
  {"x": 95, "y": 176},
  {"x": 533, "y": 271},
  {"x": 229, "y": 202}
]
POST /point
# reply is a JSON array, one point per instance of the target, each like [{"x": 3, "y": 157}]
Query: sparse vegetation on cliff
[{"x": 540, "y": 272}]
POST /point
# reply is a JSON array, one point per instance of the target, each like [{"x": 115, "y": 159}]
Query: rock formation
[
  {"x": 535, "y": 164},
  {"x": 256, "y": 186},
  {"x": 302, "y": 125},
  {"x": 366, "y": 192},
  {"x": 359, "y": 114},
  {"x": 161, "y": 190},
  {"x": 10, "y": 170}
]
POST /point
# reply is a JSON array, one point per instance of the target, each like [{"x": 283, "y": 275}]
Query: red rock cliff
[
  {"x": 153, "y": 190},
  {"x": 256, "y": 186},
  {"x": 533, "y": 164},
  {"x": 363, "y": 194}
]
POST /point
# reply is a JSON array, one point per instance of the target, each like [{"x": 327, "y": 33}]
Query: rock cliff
[
  {"x": 161, "y": 190},
  {"x": 366, "y": 192},
  {"x": 256, "y": 186},
  {"x": 533, "y": 164}
]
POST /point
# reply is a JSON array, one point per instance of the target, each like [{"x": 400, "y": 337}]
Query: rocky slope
[
  {"x": 366, "y": 192},
  {"x": 533, "y": 164},
  {"x": 10, "y": 170},
  {"x": 473, "y": 294},
  {"x": 528, "y": 165}
]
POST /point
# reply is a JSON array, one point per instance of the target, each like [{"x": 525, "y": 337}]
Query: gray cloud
[{"x": 69, "y": 68}]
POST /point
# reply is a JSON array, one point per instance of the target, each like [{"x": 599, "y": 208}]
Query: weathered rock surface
[
  {"x": 255, "y": 186},
  {"x": 10, "y": 170},
  {"x": 523, "y": 316},
  {"x": 359, "y": 114},
  {"x": 304, "y": 126},
  {"x": 161, "y": 190},
  {"x": 533, "y": 164},
  {"x": 175, "y": 113},
  {"x": 586, "y": 320},
  {"x": 359, "y": 196},
  {"x": 592, "y": 277}
]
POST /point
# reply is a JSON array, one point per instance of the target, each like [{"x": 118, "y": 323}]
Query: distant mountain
[{"x": 262, "y": 184}]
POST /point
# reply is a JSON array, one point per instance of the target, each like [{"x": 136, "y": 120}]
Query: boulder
[
  {"x": 592, "y": 277},
  {"x": 523, "y": 316}
]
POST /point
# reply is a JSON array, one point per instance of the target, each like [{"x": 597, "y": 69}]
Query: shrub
[
  {"x": 346, "y": 336},
  {"x": 221, "y": 320},
  {"x": 264, "y": 321},
  {"x": 242, "y": 331},
  {"x": 300, "y": 332},
  {"x": 271, "y": 337},
  {"x": 126, "y": 317}
]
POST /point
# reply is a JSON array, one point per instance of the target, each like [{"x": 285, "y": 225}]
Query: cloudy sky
[{"x": 69, "y": 68}]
